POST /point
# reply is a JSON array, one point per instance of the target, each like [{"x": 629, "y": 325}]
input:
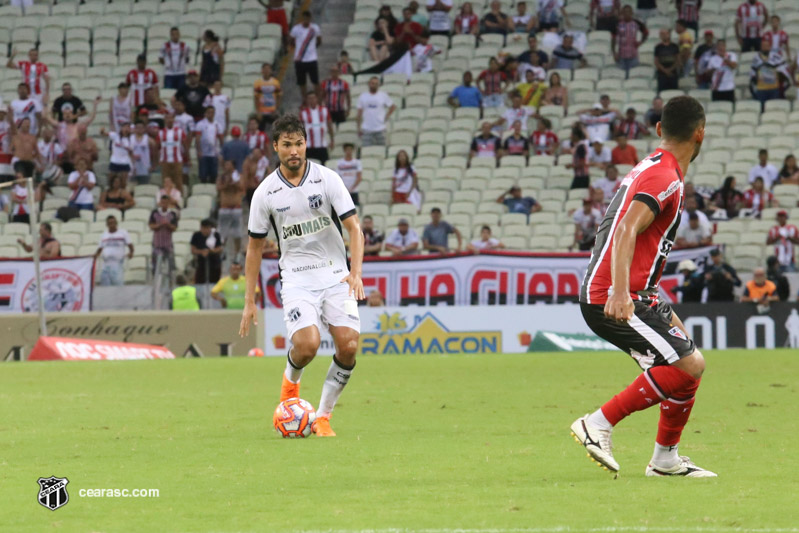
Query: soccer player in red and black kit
[{"x": 619, "y": 297}]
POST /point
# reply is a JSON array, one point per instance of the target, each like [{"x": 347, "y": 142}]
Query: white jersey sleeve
[
  {"x": 258, "y": 225},
  {"x": 339, "y": 197}
]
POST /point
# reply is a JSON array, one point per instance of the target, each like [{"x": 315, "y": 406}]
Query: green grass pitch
[{"x": 430, "y": 443}]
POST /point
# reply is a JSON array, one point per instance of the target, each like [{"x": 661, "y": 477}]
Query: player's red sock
[
  {"x": 653, "y": 386},
  {"x": 674, "y": 414}
]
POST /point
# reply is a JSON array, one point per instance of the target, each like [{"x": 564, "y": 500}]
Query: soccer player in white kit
[{"x": 305, "y": 205}]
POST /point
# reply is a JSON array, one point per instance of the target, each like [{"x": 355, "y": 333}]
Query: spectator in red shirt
[
  {"x": 34, "y": 73},
  {"x": 759, "y": 198},
  {"x": 631, "y": 127},
  {"x": 624, "y": 42},
  {"x": 467, "y": 22},
  {"x": 408, "y": 31},
  {"x": 750, "y": 19},
  {"x": 623, "y": 153},
  {"x": 492, "y": 84},
  {"x": 543, "y": 141}
]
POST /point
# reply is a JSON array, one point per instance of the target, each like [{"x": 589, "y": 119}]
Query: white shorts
[{"x": 326, "y": 307}]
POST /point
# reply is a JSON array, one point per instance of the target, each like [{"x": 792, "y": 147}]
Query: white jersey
[
  {"x": 209, "y": 137},
  {"x": 176, "y": 57},
  {"x": 305, "y": 42},
  {"x": 306, "y": 219},
  {"x": 220, "y": 103},
  {"x": 522, "y": 115},
  {"x": 50, "y": 151},
  {"x": 27, "y": 109},
  {"x": 119, "y": 149},
  {"x": 261, "y": 168},
  {"x": 185, "y": 121},
  {"x": 315, "y": 120},
  {"x": 172, "y": 142},
  {"x": 348, "y": 170},
  {"x": 120, "y": 111},
  {"x": 114, "y": 246},
  {"x": 141, "y": 148}
]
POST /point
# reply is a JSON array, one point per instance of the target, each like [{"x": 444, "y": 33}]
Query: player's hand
[
  {"x": 250, "y": 313},
  {"x": 356, "y": 286},
  {"x": 619, "y": 307}
]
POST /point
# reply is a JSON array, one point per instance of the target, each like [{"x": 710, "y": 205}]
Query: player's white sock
[
  {"x": 292, "y": 373},
  {"x": 665, "y": 456},
  {"x": 597, "y": 419},
  {"x": 337, "y": 377}
]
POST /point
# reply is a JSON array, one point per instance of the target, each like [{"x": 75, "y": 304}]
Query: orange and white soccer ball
[
  {"x": 293, "y": 418},
  {"x": 255, "y": 352}
]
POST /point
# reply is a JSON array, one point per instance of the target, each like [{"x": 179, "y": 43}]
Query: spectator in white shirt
[
  {"x": 350, "y": 170},
  {"x": 599, "y": 155},
  {"x": 722, "y": 67},
  {"x": 82, "y": 181},
  {"x": 485, "y": 242},
  {"x": 764, "y": 170},
  {"x": 439, "y": 16},
  {"x": 586, "y": 222},
  {"x": 221, "y": 104},
  {"x": 372, "y": 114},
  {"x": 609, "y": 184},
  {"x": 174, "y": 55},
  {"x": 693, "y": 234},
  {"x": 208, "y": 136},
  {"x": 112, "y": 249},
  {"x": 403, "y": 240}
]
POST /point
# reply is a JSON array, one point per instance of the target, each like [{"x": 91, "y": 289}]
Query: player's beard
[
  {"x": 294, "y": 164},
  {"x": 697, "y": 149}
]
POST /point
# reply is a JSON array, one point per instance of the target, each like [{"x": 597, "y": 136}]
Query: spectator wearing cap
[
  {"x": 67, "y": 99},
  {"x": 631, "y": 127},
  {"x": 193, "y": 95},
  {"x": 694, "y": 234},
  {"x": 599, "y": 155},
  {"x": 693, "y": 282},
  {"x": 403, "y": 240},
  {"x": 435, "y": 236},
  {"x": 566, "y": 56},
  {"x": 207, "y": 247},
  {"x": 208, "y": 136},
  {"x": 140, "y": 79},
  {"x": 757, "y": 198},
  {"x": 764, "y": 170},
  {"x": 778, "y": 278},
  {"x": 760, "y": 290},
  {"x": 702, "y": 56},
  {"x": 623, "y": 153},
  {"x": 720, "y": 279},
  {"x": 485, "y": 242},
  {"x": 163, "y": 222},
  {"x": 235, "y": 149},
  {"x": 516, "y": 203},
  {"x": 586, "y": 222},
  {"x": 784, "y": 236},
  {"x": 466, "y": 94},
  {"x": 625, "y": 42},
  {"x": 667, "y": 62}
]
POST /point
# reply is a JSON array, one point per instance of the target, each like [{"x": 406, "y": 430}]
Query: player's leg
[
  {"x": 340, "y": 312},
  {"x": 302, "y": 324}
]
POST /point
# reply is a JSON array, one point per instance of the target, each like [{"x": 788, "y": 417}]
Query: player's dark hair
[
  {"x": 288, "y": 124},
  {"x": 681, "y": 116}
]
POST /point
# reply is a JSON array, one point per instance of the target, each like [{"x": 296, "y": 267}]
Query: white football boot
[
  {"x": 597, "y": 443},
  {"x": 684, "y": 467}
]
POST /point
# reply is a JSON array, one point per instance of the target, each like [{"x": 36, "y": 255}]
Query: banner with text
[
  {"x": 441, "y": 329},
  {"x": 66, "y": 283},
  {"x": 492, "y": 278}
]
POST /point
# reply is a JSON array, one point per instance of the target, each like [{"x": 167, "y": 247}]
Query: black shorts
[
  {"x": 26, "y": 168},
  {"x": 544, "y": 26},
  {"x": 650, "y": 337},
  {"x": 338, "y": 117},
  {"x": 306, "y": 70},
  {"x": 319, "y": 154}
]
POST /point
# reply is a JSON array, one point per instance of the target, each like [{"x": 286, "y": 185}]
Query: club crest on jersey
[
  {"x": 673, "y": 187},
  {"x": 315, "y": 201},
  {"x": 294, "y": 314},
  {"x": 677, "y": 332}
]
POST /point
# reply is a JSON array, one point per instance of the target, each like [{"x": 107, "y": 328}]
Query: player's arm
[
  {"x": 639, "y": 216},
  {"x": 353, "y": 227}
]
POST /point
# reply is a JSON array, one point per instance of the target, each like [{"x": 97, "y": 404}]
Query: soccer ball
[
  {"x": 294, "y": 418},
  {"x": 255, "y": 352}
]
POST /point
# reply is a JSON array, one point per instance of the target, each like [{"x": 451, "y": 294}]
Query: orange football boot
[
  {"x": 289, "y": 389},
  {"x": 321, "y": 427}
]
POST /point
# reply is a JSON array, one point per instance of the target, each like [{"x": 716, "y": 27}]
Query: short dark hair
[
  {"x": 367, "y": 216},
  {"x": 693, "y": 216},
  {"x": 762, "y": 151},
  {"x": 207, "y": 223},
  {"x": 435, "y": 210},
  {"x": 306, "y": 14},
  {"x": 180, "y": 279},
  {"x": 109, "y": 217},
  {"x": 344, "y": 53},
  {"x": 681, "y": 116},
  {"x": 485, "y": 227},
  {"x": 173, "y": 28},
  {"x": 346, "y": 145},
  {"x": 25, "y": 85},
  {"x": 138, "y": 121},
  {"x": 48, "y": 227},
  {"x": 265, "y": 64},
  {"x": 288, "y": 124}
]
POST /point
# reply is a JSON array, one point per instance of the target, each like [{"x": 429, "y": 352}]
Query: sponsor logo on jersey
[
  {"x": 672, "y": 188},
  {"x": 309, "y": 227},
  {"x": 315, "y": 201},
  {"x": 316, "y": 181},
  {"x": 282, "y": 209},
  {"x": 677, "y": 332},
  {"x": 274, "y": 191},
  {"x": 303, "y": 268}
]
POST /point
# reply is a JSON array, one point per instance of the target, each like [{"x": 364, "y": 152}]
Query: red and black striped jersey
[{"x": 658, "y": 183}]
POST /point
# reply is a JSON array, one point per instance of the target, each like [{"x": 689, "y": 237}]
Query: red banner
[{"x": 65, "y": 349}]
